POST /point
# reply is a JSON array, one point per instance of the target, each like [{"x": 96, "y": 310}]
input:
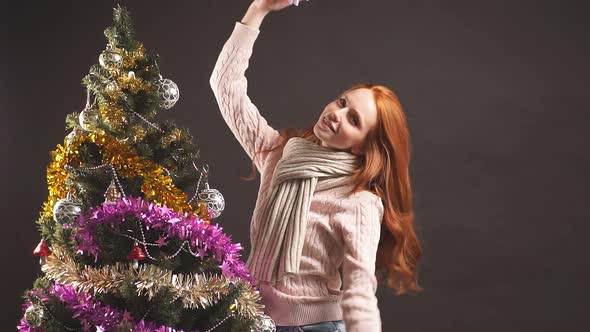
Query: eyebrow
[{"x": 358, "y": 115}]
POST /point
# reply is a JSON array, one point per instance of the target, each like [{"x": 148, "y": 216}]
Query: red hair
[{"x": 384, "y": 171}]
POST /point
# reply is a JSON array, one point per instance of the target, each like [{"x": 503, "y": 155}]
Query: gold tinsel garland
[
  {"x": 111, "y": 113},
  {"x": 174, "y": 135},
  {"x": 137, "y": 132},
  {"x": 157, "y": 185},
  {"x": 124, "y": 79},
  {"x": 195, "y": 291},
  {"x": 133, "y": 83},
  {"x": 130, "y": 58}
]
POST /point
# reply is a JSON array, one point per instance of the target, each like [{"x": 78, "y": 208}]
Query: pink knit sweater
[{"x": 343, "y": 229}]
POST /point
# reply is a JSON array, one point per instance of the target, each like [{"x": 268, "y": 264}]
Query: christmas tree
[{"x": 123, "y": 247}]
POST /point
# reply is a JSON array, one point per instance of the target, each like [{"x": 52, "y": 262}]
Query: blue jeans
[{"x": 330, "y": 326}]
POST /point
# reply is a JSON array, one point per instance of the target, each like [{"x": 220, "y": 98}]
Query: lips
[{"x": 328, "y": 124}]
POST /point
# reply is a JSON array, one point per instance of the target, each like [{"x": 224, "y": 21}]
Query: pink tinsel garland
[{"x": 196, "y": 231}]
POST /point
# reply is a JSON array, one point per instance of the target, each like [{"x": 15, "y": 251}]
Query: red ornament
[
  {"x": 42, "y": 249},
  {"x": 136, "y": 253}
]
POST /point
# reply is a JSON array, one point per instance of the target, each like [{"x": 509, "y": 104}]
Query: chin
[
  {"x": 318, "y": 132},
  {"x": 324, "y": 138}
]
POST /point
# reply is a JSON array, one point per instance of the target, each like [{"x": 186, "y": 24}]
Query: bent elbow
[{"x": 213, "y": 83}]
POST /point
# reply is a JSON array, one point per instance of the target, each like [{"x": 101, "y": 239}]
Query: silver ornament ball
[
  {"x": 214, "y": 200},
  {"x": 169, "y": 93},
  {"x": 110, "y": 59},
  {"x": 66, "y": 210},
  {"x": 88, "y": 119},
  {"x": 34, "y": 315},
  {"x": 265, "y": 324}
]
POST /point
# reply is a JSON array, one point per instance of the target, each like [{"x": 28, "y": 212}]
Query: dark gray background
[{"x": 496, "y": 96}]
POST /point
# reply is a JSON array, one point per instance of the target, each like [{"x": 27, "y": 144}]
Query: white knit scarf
[{"x": 303, "y": 168}]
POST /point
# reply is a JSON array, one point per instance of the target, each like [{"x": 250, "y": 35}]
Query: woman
[{"x": 334, "y": 196}]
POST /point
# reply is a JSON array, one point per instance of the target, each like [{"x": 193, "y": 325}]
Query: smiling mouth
[{"x": 327, "y": 124}]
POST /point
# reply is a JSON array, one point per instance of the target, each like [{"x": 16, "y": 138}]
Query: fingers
[{"x": 296, "y": 2}]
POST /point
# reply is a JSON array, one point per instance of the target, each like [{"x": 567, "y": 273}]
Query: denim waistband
[{"x": 329, "y": 326}]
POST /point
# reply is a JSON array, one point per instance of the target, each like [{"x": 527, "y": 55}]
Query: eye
[
  {"x": 355, "y": 120},
  {"x": 342, "y": 102}
]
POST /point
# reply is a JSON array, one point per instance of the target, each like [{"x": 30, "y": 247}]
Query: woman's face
[{"x": 345, "y": 122}]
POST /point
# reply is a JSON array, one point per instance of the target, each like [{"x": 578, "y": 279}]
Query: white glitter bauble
[{"x": 169, "y": 93}]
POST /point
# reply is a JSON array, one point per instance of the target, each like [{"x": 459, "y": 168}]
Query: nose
[
  {"x": 335, "y": 116},
  {"x": 332, "y": 117}
]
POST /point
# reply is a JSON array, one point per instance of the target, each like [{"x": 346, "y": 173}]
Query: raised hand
[{"x": 274, "y": 5}]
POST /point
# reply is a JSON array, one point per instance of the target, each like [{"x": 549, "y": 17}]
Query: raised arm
[{"x": 230, "y": 85}]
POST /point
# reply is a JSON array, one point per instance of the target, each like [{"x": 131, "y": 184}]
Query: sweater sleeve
[
  {"x": 229, "y": 86},
  {"x": 361, "y": 238}
]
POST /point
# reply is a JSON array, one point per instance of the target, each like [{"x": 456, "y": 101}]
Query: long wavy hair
[{"x": 384, "y": 171}]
